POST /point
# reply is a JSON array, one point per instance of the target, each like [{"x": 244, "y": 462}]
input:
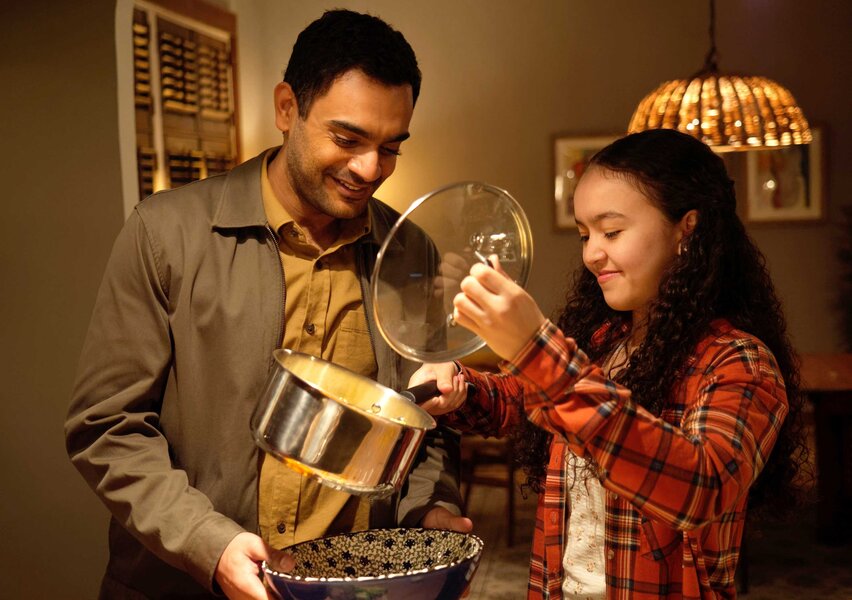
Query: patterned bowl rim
[{"x": 472, "y": 555}]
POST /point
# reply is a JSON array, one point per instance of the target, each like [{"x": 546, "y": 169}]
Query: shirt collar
[{"x": 278, "y": 216}]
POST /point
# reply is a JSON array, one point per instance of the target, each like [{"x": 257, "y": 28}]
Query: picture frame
[
  {"x": 786, "y": 184},
  {"x": 571, "y": 155}
]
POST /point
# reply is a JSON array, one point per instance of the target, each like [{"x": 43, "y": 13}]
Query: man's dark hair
[{"x": 342, "y": 40}]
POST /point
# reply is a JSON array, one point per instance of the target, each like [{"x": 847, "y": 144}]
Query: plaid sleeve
[
  {"x": 554, "y": 370},
  {"x": 684, "y": 476},
  {"x": 494, "y": 403}
]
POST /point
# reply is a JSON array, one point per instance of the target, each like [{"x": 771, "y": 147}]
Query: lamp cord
[{"x": 710, "y": 64}]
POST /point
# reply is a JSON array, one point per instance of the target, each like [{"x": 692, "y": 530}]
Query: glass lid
[{"x": 429, "y": 251}]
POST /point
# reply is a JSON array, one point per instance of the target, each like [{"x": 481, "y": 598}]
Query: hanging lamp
[{"x": 727, "y": 112}]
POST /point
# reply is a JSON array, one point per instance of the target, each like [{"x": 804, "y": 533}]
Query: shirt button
[
  {"x": 553, "y": 517},
  {"x": 311, "y": 328},
  {"x": 610, "y": 555},
  {"x": 282, "y": 527}
]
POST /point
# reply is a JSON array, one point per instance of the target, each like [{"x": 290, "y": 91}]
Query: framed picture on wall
[
  {"x": 571, "y": 156},
  {"x": 785, "y": 184}
]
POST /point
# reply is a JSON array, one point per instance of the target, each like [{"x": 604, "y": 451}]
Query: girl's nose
[{"x": 593, "y": 253}]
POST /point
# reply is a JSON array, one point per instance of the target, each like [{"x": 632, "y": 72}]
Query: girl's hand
[
  {"x": 497, "y": 309},
  {"x": 451, "y": 384}
]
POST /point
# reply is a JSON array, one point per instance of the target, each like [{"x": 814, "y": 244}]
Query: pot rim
[{"x": 427, "y": 421}]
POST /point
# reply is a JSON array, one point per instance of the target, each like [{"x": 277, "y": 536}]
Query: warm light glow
[{"x": 727, "y": 112}]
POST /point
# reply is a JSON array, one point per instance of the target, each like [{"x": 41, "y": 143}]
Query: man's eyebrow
[{"x": 365, "y": 134}]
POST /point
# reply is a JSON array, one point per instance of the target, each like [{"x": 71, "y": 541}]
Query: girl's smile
[{"x": 628, "y": 243}]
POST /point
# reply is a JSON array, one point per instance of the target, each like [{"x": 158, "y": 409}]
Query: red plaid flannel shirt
[{"x": 676, "y": 485}]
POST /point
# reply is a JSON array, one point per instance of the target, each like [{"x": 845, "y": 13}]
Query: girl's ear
[
  {"x": 688, "y": 222},
  {"x": 685, "y": 227}
]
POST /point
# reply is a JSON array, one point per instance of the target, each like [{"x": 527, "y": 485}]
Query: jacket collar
[
  {"x": 241, "y": 202},
  {"x": 381, "y": 222}
]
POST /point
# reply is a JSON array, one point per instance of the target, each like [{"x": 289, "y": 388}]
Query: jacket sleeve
[
  {"x": 434, "y": 478},
  {"x": 683, "y": 476},
  {"x": 113, "y": 434}
]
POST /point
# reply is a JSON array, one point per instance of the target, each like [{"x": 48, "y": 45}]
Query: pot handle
[{"x": 423, "y": 392}]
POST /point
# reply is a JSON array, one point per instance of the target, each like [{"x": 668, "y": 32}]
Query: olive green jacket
[{"x": 177, "y": 352}]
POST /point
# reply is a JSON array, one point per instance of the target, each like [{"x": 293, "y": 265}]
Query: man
[{"x": 204, "y": 282}]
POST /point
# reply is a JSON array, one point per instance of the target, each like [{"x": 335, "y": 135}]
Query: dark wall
[{"x": 62, "y": 209}]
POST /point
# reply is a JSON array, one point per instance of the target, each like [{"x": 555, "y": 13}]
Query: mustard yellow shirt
[{"x": 324, "y": 316}]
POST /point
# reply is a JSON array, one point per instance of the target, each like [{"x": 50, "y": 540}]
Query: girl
[{"x": 663, "y": 403}]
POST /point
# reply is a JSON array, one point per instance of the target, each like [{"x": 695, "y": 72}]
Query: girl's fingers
[
  {"x": 493, "y": 280},
  {"x": 495, "y": 263},
  {"x": 466, "y": 311}
]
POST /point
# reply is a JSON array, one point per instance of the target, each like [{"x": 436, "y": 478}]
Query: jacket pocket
[{"x": 658, "y": 540}]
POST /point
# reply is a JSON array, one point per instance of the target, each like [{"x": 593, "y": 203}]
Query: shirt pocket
[
  {"x": 658, "y": 540},
  {"x": 352, "y": 345}
]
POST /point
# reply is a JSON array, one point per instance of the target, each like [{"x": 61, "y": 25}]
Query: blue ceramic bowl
[{"x": 380, "y": 564}]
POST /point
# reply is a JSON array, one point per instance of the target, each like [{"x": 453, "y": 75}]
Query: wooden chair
[{"x": 488, "y": 461}]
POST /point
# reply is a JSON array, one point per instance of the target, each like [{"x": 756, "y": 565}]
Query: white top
[{"x": 583, "y": 561}]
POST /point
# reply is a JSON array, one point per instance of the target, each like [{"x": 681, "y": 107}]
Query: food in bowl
[{"x": 386, "y": 564}]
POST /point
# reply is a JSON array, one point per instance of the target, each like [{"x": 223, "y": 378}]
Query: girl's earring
[{"x": 681, "y": 248}]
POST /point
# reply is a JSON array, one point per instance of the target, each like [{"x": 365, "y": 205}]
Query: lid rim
[{"x": 525, "y": 244}]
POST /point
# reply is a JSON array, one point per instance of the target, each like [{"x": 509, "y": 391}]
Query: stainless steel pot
[
  {"x": 344, "y": 429},
  {"x": 349, "y": 431}
]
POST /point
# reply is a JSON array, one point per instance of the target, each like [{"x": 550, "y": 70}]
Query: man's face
[{"x": 347, "y": 145}]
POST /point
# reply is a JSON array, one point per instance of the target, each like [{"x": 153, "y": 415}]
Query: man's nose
[{"x": 366, "y": 165}]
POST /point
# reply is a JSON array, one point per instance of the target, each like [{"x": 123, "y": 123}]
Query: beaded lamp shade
[{"x": 728, "y": 112}]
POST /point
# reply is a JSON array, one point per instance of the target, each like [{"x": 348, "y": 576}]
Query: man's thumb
[{"x": 281, "y": 561}]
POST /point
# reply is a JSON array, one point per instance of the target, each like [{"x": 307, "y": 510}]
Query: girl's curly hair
[{"x": 719, "y": 274}]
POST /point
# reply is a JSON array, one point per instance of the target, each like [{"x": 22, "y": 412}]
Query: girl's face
[{"x": 627, "y": 241}]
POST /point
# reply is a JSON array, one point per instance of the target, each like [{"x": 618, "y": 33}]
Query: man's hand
[
  {"x": 440, "y": 518},
  {"x": 238, "y": 568},
  {"x": 451, "y": 271}
]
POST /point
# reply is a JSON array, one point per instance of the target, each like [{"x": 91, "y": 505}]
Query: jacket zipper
[
  {"x": 281, "y": 324},
  {"x": 368, "y": 305}
]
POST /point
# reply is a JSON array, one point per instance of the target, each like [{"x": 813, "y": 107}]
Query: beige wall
[{"x": 501, "y": 77}]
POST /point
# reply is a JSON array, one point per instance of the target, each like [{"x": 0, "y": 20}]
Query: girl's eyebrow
[
  {"x": 611, "y": 214},
  {"x": 352, "y": 128}
]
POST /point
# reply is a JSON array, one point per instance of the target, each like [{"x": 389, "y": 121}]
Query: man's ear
[{"x": 286, "y": 108}]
